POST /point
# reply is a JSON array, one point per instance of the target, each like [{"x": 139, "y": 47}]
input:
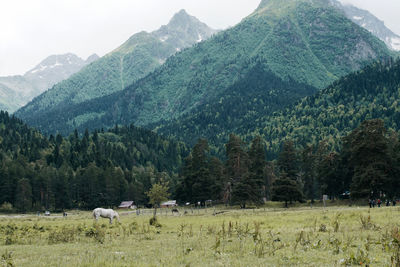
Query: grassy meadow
[{"x": 271, "y": 236}]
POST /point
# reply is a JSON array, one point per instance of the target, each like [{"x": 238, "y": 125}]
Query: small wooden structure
[
  {"x": 169, "y": 204},
  {"x": 127, "y": 205}
]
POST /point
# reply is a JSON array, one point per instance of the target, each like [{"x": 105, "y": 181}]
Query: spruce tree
[
  {"x": 285, "y": 189},
  {"x": 288, "y": 160},
  {"x": 237, "y": 172},
  {"x": 23, "y": 198},
  {"x": 257, "y": 170},
  {"x": 371, "y": 160},
  {"x": 202, "y": 183}
]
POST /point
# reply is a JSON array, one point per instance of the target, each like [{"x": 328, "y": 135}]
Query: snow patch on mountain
[
  {"x": 395, "y": 43},
  {"x": 199, "y": 39},
  {"x": 39, "y": 68},
  {"x": 371, "y": 23},
  {"x": 164, "y": 38}
]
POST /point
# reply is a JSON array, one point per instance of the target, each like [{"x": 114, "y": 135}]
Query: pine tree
[
  {"x": 23, "y": 198},
  {"x": 308, "y": 172},
  {"x": 370, "y": 159},
  {"x": 237, "y": 171},
  {"x": 285, "y": 189},
  {"x": 288, "y": 160},
  {"x": 217, "y": 177},
  {"x": 257, "y": 170},
  {"x": 202, "y": 184}
]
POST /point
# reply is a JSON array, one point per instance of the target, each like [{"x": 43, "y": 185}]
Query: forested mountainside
[
  {"x": 258, "y": 94},
  {"x": 83, "y": 172},
  {"x": 373, "y": 92},
  {"x": 18, "y": 90},
  {"x": 343, "y": 139},
  {"x": 134, "y": 59},
  {"x": 307, "y": 42},
  {"x": 328, "y": 143}
]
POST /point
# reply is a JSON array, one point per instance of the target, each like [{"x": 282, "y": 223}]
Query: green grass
[{"x": 270, "y": 236}]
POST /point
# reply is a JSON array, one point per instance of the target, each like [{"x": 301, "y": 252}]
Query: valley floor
[{"x": 303, "y": 236}]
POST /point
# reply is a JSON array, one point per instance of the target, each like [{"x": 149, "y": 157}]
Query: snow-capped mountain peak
[{"x": 371, "y": 23}]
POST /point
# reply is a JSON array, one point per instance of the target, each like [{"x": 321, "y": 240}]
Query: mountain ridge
[
  {"x": 304, "y": 43},
  {"x": 368, "y": 21},
  {"x": 134, "y": 59},
  {"x": 18, "y": 90}
]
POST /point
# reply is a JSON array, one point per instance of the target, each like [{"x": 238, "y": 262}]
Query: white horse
[{"x": 105, "y": 213}]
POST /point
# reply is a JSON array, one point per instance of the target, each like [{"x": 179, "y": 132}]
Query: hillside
[
  {"x": 370, "y": 93},
  {"x": 102, "y": 168},
  {"x": 18, "y": 90},
  {"x": 258, "y": 94},
  {"x": 134, "y": 59},
  {"x": 310, "y": 43}
]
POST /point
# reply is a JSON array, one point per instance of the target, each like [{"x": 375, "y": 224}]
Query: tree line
[
  {"x": 124, "y": 163},
  {"x": 367, "y": 165},
  {"x": 97, "y": 169}
]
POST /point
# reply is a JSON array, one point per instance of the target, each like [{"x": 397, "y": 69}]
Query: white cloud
[{"x": 32, "y": 30}]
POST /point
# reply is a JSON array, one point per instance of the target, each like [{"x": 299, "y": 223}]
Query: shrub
[
  {"x": 6, "y": 207},
  {"x": 64, "y": 235},
  {"x": 7, "y": 259},
  {"x": 96, "y": 233},
  {"x": 154, "y": 222}
]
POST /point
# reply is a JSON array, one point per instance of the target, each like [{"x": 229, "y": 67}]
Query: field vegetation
[{"x": 268, "y": 236}]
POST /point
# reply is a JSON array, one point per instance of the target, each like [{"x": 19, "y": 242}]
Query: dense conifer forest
[
  {"x": 104, "y": 168},
  {"x": 101, "y": 168}
]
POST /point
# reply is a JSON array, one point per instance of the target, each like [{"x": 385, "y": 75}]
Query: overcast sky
[{"x": 31, "y": 30}]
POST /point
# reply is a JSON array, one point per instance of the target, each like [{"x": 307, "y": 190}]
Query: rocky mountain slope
[
  {"x": 368, "y": 21},
  {"x": 298, "y": 41},
  {"x": 134, "y": 59},
  {"x": 18, "y": 90}
]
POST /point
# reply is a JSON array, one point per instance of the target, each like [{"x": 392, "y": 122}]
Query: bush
[
  {"x": 64, "y": 235},
  {"x": 154, "y": 222},
  {"x": 96, "y": 233},
  {"x": 6, "y": 207}
]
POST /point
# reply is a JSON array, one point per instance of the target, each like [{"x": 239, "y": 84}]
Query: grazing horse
[
  {"x": 175, "y": 211},
  {"x": 105, "y": 213}
]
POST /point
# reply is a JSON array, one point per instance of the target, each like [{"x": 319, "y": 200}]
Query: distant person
[
  {"x": 379, "y": 202},
  {"x": 387, "y": 202},
  {"x": 394, "y": 202},
  {"x": 373, "y": 203},
  {"x": 370, "y": 203}
]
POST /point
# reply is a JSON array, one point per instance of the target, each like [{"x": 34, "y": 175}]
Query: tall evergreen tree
[
  {"x": 23, "y": 198},
  {"x": 370, "y": 159},
  {"x": 237, "y": 164},
  {"x": 217, "y": 177},
  {"x": 202, "y": 183},
  {"x": 288, "y": 160},
  {"x": 257, "y": 167},
  {"x": 286, "y": 189},
  {"x": 328, "y": 175},
  {"x": 308, "y": 170}
]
